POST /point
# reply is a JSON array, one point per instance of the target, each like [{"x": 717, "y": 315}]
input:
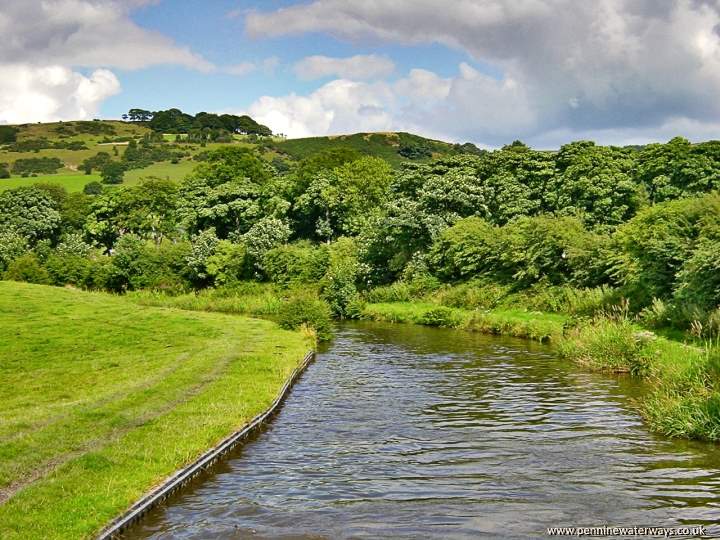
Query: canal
[{"x": 400, "y": 431}]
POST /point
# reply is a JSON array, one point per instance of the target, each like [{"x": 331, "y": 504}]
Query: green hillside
[
  {"x": 394, "y": 147},
  {"x": 72, "y": 144},
  {"x": 95, "y": 385}
]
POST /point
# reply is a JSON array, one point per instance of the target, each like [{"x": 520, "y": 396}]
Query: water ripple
[{"x": 407, "y": 432}]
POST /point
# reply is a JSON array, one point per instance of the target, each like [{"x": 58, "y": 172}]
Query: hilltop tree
[{"x": 139, "y": 115}]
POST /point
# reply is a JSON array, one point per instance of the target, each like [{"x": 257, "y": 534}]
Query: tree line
[
  {"x": 176, "y": 121},
  {"x": 641, "y": 223}
]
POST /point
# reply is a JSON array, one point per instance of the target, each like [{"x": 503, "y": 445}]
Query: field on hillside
[
  {"x": 103, "y": 398},
  {"x": 77, "y": 181},
  {"x": 71, "y": 182},
  {"x": 71, "y": 177},
  {"x": 383, "y": 145},
  {"x": 111, "y": 137}
]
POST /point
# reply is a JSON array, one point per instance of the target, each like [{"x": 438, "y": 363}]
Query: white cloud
[
  {"x": 422, "y": 102},
  {"x": 50, "y": 93},
  {"x": 339, "y": 106},
  {"x": 86, "y": 33},
  {"x": 608, "y": 66},
  {"x": 44, "y": 41},
  {"x": 359, "y": 67}
]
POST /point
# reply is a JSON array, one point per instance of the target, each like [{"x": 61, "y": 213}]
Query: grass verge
[
  {"x": 534, "y": 325},
  {"x": 103, "y": 398}
]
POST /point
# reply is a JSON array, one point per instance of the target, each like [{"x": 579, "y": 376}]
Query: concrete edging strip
[{"x": 184, "y": 475}]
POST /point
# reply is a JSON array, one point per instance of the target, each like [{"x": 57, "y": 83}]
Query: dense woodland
[{"x": 640, "y": 224}]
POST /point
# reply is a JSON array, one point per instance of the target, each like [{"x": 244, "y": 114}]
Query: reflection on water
[{"x": 409, "y": 432}]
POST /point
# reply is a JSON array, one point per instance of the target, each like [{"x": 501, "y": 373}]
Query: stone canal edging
[{"x": 184, "y": 475}]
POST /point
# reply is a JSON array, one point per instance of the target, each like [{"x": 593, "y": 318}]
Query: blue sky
[
  {"x": 487, "y": 71},
  {"x": 216, "y": 31}
]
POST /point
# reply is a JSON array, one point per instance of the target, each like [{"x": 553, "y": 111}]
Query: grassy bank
[
  {"x": 103, "y": 398},
  {"x": 526, "y": 324},
  {"x": 247, "y": 298},
  {"x": 685, "y": 378}
]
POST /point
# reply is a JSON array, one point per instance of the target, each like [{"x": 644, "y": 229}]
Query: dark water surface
[{"x": 410, "y": 432}]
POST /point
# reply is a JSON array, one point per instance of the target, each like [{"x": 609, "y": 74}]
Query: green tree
[
  {"x": 98, "y": 161},
  {"x": 229, "y": 192},
  {"x": 678, "y": 169},
  {"x": 594, "y": 182},
  {"x": 147, "y": 210},
  {"x": 30, "y": 212},
  {"x": 651, "y": 249},
  {"x": 139, "y": 115},
  {"x": 113, "y": 172},
  {"x": 339, "y": 202}
]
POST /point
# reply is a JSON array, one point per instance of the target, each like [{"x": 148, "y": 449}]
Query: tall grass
[
  {"x": 532, "y": 325},
  {"x": 248, "y": 298}
]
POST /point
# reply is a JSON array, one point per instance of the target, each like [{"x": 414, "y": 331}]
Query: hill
[
  {"x": 60, "y": 152},
  {"x": 94, "y": 387},
  {"x": 394, "y": 147}
]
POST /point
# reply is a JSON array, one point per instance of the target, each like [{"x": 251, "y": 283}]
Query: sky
[{"x": 546, "y": 72}]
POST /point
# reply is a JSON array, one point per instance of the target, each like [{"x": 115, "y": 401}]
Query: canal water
[{"x": 400, "y": 431}]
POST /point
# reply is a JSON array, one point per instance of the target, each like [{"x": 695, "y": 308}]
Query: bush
[
  {"x": 307, "y": 311},
  {"x": 68, "y": 269},
  {"x": 93, "y": 188},
  {"x": 474, "y": 295},
  {"x": 295, "y": 263},
  {"x": 27, "y": 268},
  {"x": 12, "y": 246},
  {"x": 228, "y": 264},
  {"x": 567, "y": 299},
  {"x": 528, "y": 250},
  {"x": 698, "y": 281},
  {"x": 337, "y": 287},
  {"x": 43, "y": 165},
  {"x": 441, "y": 316},
  {"x": 468, "y": 249},
  {"x": 651, "y": 249},
  {"x": 545, "y": 248},
  {"x": 395, "y": 292},
  {"x": 137, "y": 264}
]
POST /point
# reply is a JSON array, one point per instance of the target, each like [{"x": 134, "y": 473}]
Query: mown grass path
[{"x": 102, "y": 399}]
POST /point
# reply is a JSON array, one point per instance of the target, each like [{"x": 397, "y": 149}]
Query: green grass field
[
  {"x": 76, "y": 181},
  {"x": 103, "y": 398},
  {"x": 71, "y": 182},
  {"x": 164, "y": 169}
]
